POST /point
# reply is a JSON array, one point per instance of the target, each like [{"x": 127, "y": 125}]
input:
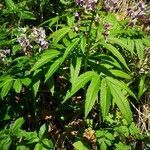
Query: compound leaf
[
  {"x": 80, "y": 83},
  {"x": 121, "y": 101},
  {"x": 116, "y": 53}
]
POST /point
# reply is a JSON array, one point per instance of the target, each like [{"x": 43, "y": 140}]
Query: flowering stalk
[{"x": 88, "y": 39}]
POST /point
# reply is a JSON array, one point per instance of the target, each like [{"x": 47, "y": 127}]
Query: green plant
[
  {"x": 118, "y": 134},
  {"x": 13, "y": 137},
  {"x": 55, "y": 63}
]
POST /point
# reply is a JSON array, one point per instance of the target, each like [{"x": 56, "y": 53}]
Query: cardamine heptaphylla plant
[{"x": 71, "y": 63}]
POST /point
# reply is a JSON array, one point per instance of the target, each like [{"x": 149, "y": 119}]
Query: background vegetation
[{"x": 74, "y": 75}]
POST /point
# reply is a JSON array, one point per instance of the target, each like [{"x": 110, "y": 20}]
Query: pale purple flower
[
  {"x": 106, "y": 31},
  {"x": 24, "y": 42},
  {"x": 43, "y": 44},
  {"x": 35, "y": 35},
  {"x": 88, "y": 5},
  {"x": 136, "y": 13},
  {"x": 42, "y": 33},
  {"x": 142, "y": 6},
  {"x": 111, "y": 5},
  {"x": 77, "y": 15},
  {"x": 130, "y": 12}
]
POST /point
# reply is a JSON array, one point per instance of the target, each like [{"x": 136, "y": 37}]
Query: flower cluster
[
  {"x": 106, "y": 31},
  {"x": 4, "y": 53},
  {"x": 77, "y": 16},
  {"x": 111, "y": 5},
  {"x": 35, "y": 35},
  {"x": 88, "y": 5},
  {"x": 24, "y": 42},
  {"x": 39, "y": 36},
  {"x": 137, "y": 12}
]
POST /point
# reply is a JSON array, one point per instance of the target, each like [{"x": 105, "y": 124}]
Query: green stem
[
  {"x": 88, "y": 40},
  {"x": 89, "y": 43}
]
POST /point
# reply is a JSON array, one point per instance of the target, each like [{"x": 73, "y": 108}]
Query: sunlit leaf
[
  {"x": 17, "y": 85},
  {"x": 140, "y": 49},
  {"x": 80, "y": 83},
  {"x": 27, "y": 15},
  {"x": 119, "y": 42},
  {"x": 70, "y": 48},
  {"x": 6, "y": 87},
  {"x": 47, "y": 144},
  {"x": 83, "y": 44},
  {"x": 17, "y": 124},
  {"x": 79, "y": 146},
  {"x": 75, "y": 71},
  {"x": 131, "y": 45},
  {"x": 5, "y": 144},
  {"x": 11, "y": 5},
  {"x": 120, "y": 73},
  {"x": 38, "y": 146},
  {"x": 45, "y": 59},
  {"x": 103, "y": 146},
  {"x": 65, "y": 2},
  {"x": 26, "y": 81},
  {"x": 116, "y": 53},
  {"x": 107, "y": 59},
  {"x": 59, "y": 34},
  {"x": 92, "y": 94},
  {"x": 146, "y": 41},
  {"x": 42, "y": 131},
  {"x": 22, "y": 147},
  {"x": 122, "y": 85},
  {"x": 105, "y": 98},
  {"x": 31, "y": 137},
  {"x": 142, "y": 88},
  {"x": 70, "y": 20},
  {"x": 36, "y": 87},
  {"x": 121, "y": 101},
  {"x": 53, "y": 68}
]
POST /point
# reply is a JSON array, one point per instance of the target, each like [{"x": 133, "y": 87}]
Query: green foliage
[
  {"x": 116, "y": 53},
  {"x": 118, "y": 133},
  {"x": 79, "y": 146},
  {"x": 14, "y": 137},
  {"x": 66, "y": 66}
]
